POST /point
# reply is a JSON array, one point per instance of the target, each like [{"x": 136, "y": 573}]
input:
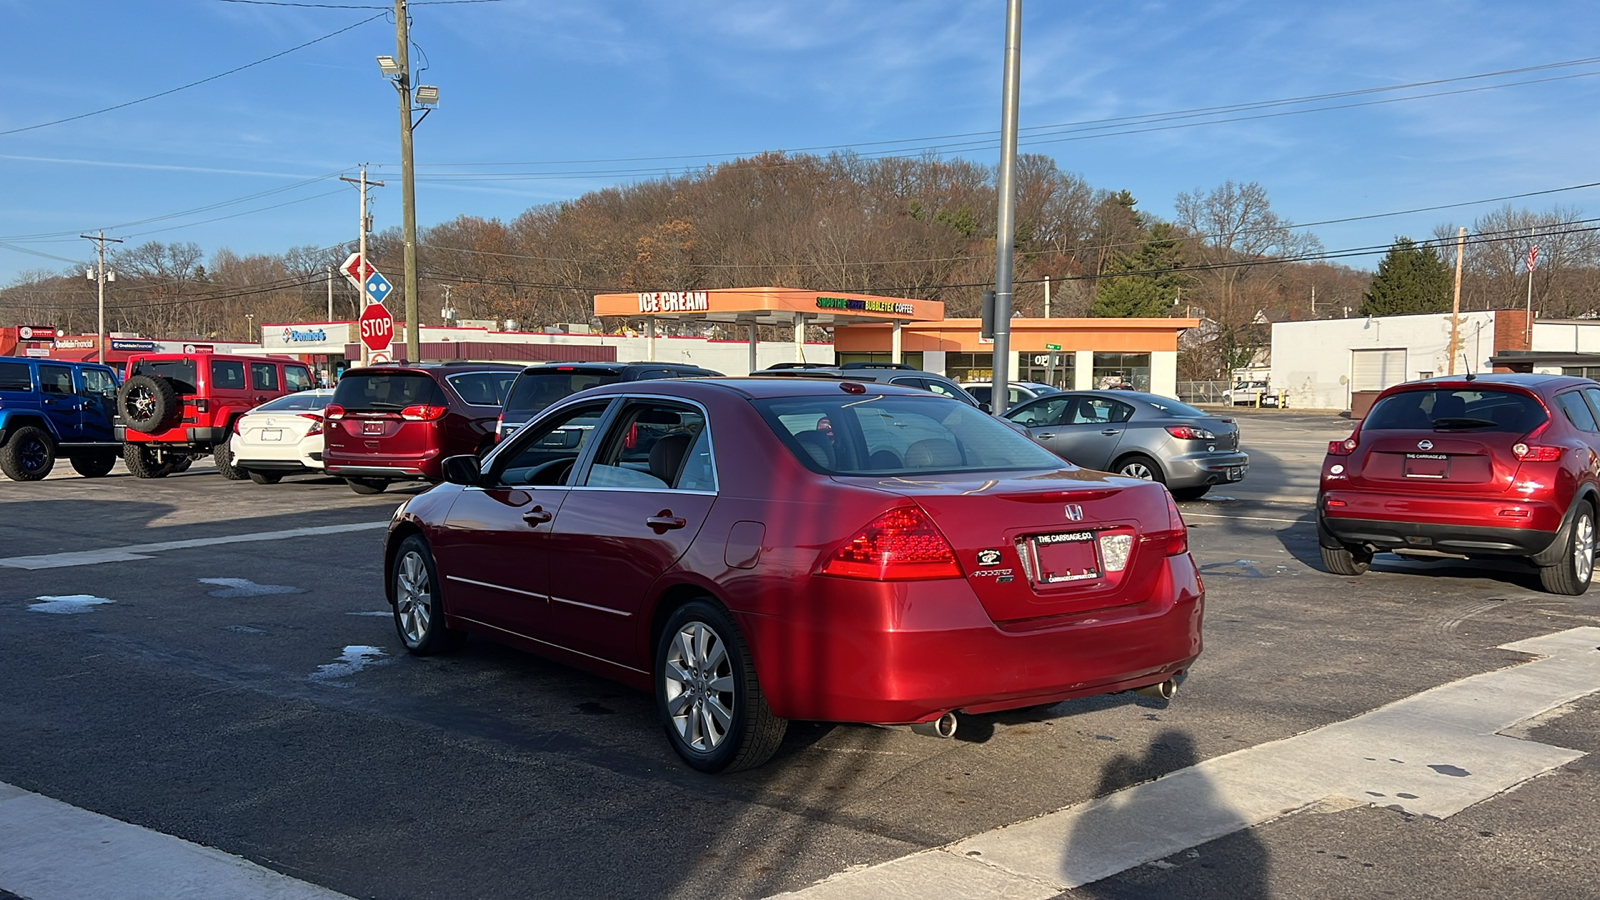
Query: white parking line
[
  {"x": 142, "y": 551},
  {"x": 52, "y": 851},
  {"x": 1432, "y": 754}
]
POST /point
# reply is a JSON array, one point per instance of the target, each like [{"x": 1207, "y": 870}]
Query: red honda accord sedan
[{"x": 755, "y": 550}]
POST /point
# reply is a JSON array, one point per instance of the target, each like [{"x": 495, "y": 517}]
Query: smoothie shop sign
[{"x": 851, "y": 304}]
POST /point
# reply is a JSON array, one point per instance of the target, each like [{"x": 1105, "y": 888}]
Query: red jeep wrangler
[{"x": 173, "y": 407}]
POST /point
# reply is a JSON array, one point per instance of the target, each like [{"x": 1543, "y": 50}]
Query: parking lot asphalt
[{"x": 217, "y": 665}]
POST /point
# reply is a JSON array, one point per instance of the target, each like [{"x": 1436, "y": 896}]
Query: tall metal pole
[
  {"x": 1528, "y": 339},
  {"x": 1455, "y": 306},
  {"x": 361, "y": 242},
  {"x": 1005, "y": 227},
  {"x": 330, "y": 293},
  {"x": 100, "y": 239},
  {"x": 408, "y": 186}
]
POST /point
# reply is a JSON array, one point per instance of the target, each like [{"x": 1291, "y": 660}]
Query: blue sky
[{"x": 544, "y": 100}]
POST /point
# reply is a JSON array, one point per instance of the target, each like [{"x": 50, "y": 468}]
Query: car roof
[
  {"x": 441, "y": 368},
  {"x": 606, "y": 366},
  {"x": 874, "y": 374},
  {"x": 1526, "y": 380},
  {"x": 160, "y": 357},
  {"x": 753, "y": 387}
]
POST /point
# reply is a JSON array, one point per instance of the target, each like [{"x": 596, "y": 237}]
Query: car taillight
[
  {"x": 1535, "y": 452},
  {"x": 1190, "y": 433},
  {"x": 332, "y": 411},
  {"x": 1177, "y": 532},
  {"x": 499, "y": 423},
  {"x": 316, "y": 423},
  {"x": 424, "y": 412},
  {"x": 900, "y": 545},
  {"x": 1342, "y": 448},
  {"x": 200, "y": 404},
  {"x": 238, "y": 424}
]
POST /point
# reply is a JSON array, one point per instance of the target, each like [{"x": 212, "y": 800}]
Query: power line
[{"x": 193, "y": 83}]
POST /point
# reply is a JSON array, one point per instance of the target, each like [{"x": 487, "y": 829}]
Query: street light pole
[
  {"x": 408, "y": 182},
  {"x": 1005, "y": 226},
  {"x": 100, "y": 276}
]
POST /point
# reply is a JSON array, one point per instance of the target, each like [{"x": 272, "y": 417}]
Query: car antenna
[{"x": 1468, "y": 364}]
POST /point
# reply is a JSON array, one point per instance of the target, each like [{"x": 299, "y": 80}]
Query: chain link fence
[{"x": 1202, "y": 391}]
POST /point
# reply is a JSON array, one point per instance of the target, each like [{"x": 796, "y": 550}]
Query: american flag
[{"x": 1533, "y": 254}]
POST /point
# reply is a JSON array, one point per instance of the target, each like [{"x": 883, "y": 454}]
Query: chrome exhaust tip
[
  {"x": 942, "y": 727},
  {"x": 1161, "y": 690}
]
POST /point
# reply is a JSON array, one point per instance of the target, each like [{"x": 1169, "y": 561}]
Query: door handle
[
  {"x": 1046, "y": 436},
  {"x": 1111, "y": 431},
  {"x": 537, "y": 516},
  {"x": 664, "y": 520}
]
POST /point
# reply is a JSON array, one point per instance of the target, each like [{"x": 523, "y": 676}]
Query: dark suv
[
  {"x": 390, "y": 423},
  {"x": 50, "y": 409},
  {"x": 889, "y": 373},
  {"x": 539, "y": 386},
  {"x": 1492, "y": 466},
  {"x": 176, "y": 406}
]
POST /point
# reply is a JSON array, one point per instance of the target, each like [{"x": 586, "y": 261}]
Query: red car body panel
[
  {"x": 597, "y": 580},
  {"x": 386, "y": 444},
  {"x": 209, "y": 412},
  {"x": 1482, "y": 499}
]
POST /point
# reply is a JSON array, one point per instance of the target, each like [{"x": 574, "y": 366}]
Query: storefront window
[
  {"x": 913, "y": 360},
  {"x": 1036, "y": 367},
  {"x": 965, "y": 367},
  {"x": 1122, "y": 370}
]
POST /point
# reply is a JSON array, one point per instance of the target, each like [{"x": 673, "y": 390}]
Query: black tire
[
  {"x": 367, "y": 485},
  {"x": 260, "y": 477},
  {"x": 699, "y": 646},
  {"x": 1137, "y": 465},
  {"x": 145, "y": 462},
  {"x": 94, "y": 465},
  {"x": 1340, "y": 558},
  {"x": 148, "y": 403},
  {"x": 418, "y": 606},
  {"x": 1190, "y": 493},
  {"x": 222, "y": 455},
  {"x": 28, "y": 455},
  {"x": 1573, "y": 572}
]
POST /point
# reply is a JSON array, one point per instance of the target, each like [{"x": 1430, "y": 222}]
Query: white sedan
[{"x": 282, "y": 437}]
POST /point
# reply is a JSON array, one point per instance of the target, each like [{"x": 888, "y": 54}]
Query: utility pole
[
  {"x": 1005, "y": 228},
  {"x": 99, "y": 275},
  {"x": 1455, "y": 306},
  {"x": 1533, "y": 252},
  {"x": 361, "y": 243},
  {"x": 408, "y": 182},
  {"x": 330, "y": 293},
  {"x": 1047, "y": 296}
]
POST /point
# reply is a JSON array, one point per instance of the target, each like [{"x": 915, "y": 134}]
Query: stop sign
[{"x": 377, "y": 327}]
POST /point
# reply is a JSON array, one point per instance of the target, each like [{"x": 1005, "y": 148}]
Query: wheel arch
[
  {"x": 16, "y": 421},
  {"x": 669, "y": 601},
  {"x": 391, "y": 548},
  {"x": 1126, "y": 455}
]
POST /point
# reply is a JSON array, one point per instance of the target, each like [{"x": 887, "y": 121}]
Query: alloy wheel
[
  {"x": 413, "y": 597},
  {"x": 699, "y": 686},
  {"x": 1583, "y": 539},
  {"x": 141, "y": 403},
  {"x": 34, "y": 455},
  {"x": 1138, "y": 469}
]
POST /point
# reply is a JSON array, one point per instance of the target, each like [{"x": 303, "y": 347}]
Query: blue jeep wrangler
[{"x": 51, "y": 408}]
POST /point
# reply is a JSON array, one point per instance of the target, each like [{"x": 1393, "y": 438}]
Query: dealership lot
[{"x": 214, "y": 661}]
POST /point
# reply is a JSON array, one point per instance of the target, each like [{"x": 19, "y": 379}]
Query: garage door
[{"x": 1374, "y": 370}]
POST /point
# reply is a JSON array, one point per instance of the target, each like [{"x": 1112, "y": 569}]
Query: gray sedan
[{"x": 1142, "y": 435}]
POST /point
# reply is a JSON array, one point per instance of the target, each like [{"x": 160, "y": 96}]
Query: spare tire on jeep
[{"x": 148, "y": 403}]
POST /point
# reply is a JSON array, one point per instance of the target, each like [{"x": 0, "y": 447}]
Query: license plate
[
  {"x": 1064, "y": 557},
  {"x": 372, "y": 428},
  {"x": 272, "y": 434},
  {"x": 1427, "y": 465}
]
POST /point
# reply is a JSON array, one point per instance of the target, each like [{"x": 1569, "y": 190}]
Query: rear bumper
[
  {"x": 425, "y": 466},
  {"x": 192, "y": 438},
  {"x": 902, "y": 653},
  {"x": 1197, "y": 469},
  {"x": 1443, "y": 536},
  {"x": 270, "y": 456}
]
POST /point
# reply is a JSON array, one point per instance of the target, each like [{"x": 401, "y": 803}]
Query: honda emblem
[
  {"x": 1424, "y": 445},
  {"x": 1074, "y": 512}
]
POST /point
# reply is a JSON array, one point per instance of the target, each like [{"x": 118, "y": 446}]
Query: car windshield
[
  {"x": 898, "y": 435},
  {"x": 305, "y": 400},
  {"x": 1476, "y": 409},
  {"x": 534, "y": 391},
  {"x": 1174, "y": 408},
  {"x": 483, "y": 388},
  {"x": 179, "y": 371},
  {"x": 386, "y": 390}
]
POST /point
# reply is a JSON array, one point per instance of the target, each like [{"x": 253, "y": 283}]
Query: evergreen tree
[
  {"x": 1142, "y": 284},
  {"x": 1410, "y": 280}
]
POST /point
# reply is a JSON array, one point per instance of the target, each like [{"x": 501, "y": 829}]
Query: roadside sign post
[
  {"x": 377, "y": 333},
  {"x": 1050, "y": 364}
]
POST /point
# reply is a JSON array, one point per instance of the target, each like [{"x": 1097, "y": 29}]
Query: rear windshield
[
  {"x": 483, "y": 388},
  {"x": 1478, "y": 409},
  {"x": 387, "y": 390},
  {"x": 534, "y": 391},
  {"x": 179, "y": 371},
  {"x": 304, "y": 400},
  {"x": 898, "y": 435},
  {"x": 1174, "y": 408}
]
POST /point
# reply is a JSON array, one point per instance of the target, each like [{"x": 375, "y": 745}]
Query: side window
[
  {"x": 1577, "y": 411},
  {"x": 16, "y": 376},
  {"x": 55, "y": 380},
  {"x": 1049, "y": 412},
  {"x": 1120, "y": 412},
  {"x": 227, "y": 374},
  {"x": 648, "y": 447},
  {"x": 910, "y": 382},
  {"x": 264, "y": 376},
  {"x": 547, "y": 454},
  {"x": 99, "y": 383},
  {"x": 1593, "y": 396},
  {"x": 945, "y": 391},
  {"x": 298, "y": 377}
]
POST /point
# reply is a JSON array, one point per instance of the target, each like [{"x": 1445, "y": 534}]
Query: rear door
[
  {"x": 638, "y": 509},
  {"x": 98, "y": 387},
  {"x": 227, "y": 393},
  {"x": 60, "y": 401},
  {"x": 1087, "y": 431}
]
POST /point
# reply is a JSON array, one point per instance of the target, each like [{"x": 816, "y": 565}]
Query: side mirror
[
  {"x": 986, "y": 407},
  {"x": 462, "y": 469}
]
